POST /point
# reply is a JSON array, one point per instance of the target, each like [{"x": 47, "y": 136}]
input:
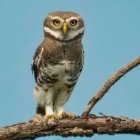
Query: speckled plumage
[{"x": 57, "y": 63}]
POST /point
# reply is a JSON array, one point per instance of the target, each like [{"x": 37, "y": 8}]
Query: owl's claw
[
  {"x": 53, "y": 117},
  {"x": 68, "y": 115},
  {"x": 59, "y": 116}
]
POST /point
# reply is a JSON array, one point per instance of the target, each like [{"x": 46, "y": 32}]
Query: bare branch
[
  {"x": 75, "y": 127},
  {"x": 110, "y": 82}
]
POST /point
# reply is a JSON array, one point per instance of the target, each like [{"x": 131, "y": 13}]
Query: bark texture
[{"x": 71, "y": 127}]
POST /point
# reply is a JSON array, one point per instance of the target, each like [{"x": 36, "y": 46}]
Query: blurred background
[{"x": 111, "y": 39}]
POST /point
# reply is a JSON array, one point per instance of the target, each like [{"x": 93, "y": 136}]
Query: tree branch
[
  {"x": 108, "y": 84},
  {"x": 75, "y": 127}
]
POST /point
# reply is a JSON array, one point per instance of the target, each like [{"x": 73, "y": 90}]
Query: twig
[
  {"x": 71, "y": 127},
  {"x": 110, "y": 82}
]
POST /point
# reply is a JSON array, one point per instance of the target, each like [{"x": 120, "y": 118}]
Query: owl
[{"x": 58, "y": 61}]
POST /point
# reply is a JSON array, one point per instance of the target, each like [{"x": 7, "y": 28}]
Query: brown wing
[{"x": 36, "y": 61}]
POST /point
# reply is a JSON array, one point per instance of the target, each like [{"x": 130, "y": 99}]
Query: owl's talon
[
  {"x": 68, "y": 115},
  {"x": 59, "y": 116},
  {"x": 53, "y": 117}
]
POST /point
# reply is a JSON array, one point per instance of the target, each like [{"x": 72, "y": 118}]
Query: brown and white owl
[{"x": 58, "y": 61}]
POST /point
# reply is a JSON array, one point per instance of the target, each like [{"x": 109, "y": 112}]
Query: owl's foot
[
  {"x": 68, "y": 115},
  {"x": 59, "y": 116},
  {"x": 53, "y": 117}
]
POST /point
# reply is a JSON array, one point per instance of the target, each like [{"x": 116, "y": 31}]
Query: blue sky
[{"x": 111, "y": 40}]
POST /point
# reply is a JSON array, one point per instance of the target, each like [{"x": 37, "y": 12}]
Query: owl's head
[{"x": 64, "y": 26}]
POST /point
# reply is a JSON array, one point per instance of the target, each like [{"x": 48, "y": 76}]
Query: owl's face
[{"x": 64, "y": 25}]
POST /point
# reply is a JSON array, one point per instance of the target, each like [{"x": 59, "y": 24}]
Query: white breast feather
[{"x": 60, "y": 70}]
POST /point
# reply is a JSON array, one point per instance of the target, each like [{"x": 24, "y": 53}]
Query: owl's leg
[
  {"x": 49, "y": 109},
  {"x": 60, "y": 100},
  {"x": 44, "y": 97},
  {"x": 49, "y": 95},
  {"x": 59, "y": 109},
  {"x": 50, "y": 113}
]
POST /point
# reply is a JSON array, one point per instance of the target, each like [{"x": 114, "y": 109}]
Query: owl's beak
[{"x": 65, "y": 28}]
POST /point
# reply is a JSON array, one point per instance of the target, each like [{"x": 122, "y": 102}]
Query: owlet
[{"x": 58, "y": 61}]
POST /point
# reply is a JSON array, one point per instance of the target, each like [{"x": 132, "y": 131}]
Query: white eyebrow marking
[
  {"x": 71, "y": 18},
  {"x": 56, "y": 17}
]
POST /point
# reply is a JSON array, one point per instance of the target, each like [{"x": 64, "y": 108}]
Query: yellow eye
[
  {"x": 56, "y": 22},
  {"x": 73, "y": 22}
]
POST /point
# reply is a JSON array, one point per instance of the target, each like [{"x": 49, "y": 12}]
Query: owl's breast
[
  {"x": 64, "y": 71},
  {"x": 61, "y": 64},
  {"x": 62, "y": 68}
]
